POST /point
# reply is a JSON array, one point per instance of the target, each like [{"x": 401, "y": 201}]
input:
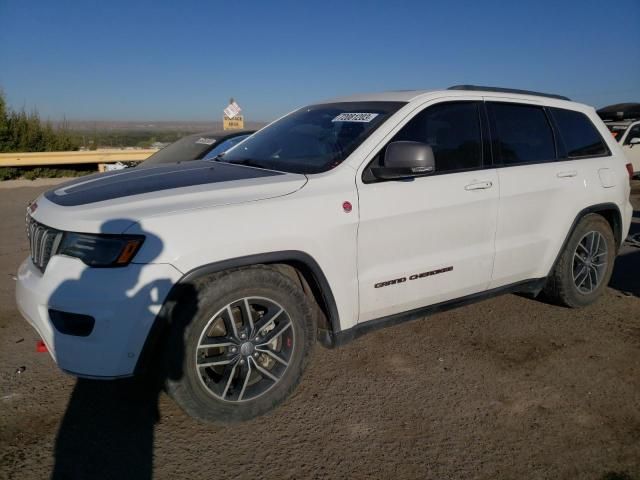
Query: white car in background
[
  {"x": 337, "y": 219},
  {"x": 623, "y": 120}
]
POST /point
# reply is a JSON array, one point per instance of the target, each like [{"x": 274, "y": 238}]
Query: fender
[
  {"x": 616, "y": 226},
  {"x": 300, "y": 260},
  {"x": 294, "y": 258}
]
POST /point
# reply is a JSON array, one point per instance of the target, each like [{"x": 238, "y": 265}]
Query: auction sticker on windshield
[{"x": 355, "y": 117}]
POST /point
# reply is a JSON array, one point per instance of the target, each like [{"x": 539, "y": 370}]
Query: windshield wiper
[
  {"x": 247, "y": 162},
  {"x": 243, "y": 161}
]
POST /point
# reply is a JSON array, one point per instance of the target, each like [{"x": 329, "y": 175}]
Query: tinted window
[
  {"x": 224, "y": 146},
  {"x": 579, "y": 135},
  {"x": 453, "y": 132},
  {"x": 522, "y": 134},
  {"x": 185, "y": 149}
]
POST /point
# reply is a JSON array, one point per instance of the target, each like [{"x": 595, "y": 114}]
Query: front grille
[{"x": 43, "y": 242}]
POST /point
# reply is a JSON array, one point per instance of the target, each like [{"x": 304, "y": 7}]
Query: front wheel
[
  {"x": 585, "y": 266},
  {"x": 245, "y": 347}
]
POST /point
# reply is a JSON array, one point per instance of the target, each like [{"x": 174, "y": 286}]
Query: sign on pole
[
  {"x": 232, "y": 120},
  {"x": 233, "y": 109},
  {"x": 233, "y": 123}
]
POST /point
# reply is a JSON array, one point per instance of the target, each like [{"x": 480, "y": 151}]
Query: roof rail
[{"x": 507, "y": 90}]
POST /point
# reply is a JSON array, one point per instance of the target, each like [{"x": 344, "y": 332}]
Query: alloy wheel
[
  {"x": 590, "y": 262},
  {"x": 245, "y": 349}
]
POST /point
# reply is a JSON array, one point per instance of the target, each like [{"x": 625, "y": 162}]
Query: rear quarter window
[{"x": 578, "y": 134}]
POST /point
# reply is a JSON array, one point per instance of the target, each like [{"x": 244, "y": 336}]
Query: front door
[{"x": 429, "y": 239}]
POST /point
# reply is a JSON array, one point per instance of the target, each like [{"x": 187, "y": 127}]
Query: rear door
[
  {"x": 429, "y": 239},
  {"x": 534, "y": 189},
  {"x": 546, "y": 179}
]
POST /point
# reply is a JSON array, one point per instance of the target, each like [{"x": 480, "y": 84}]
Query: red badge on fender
[{"x": 346, "y": 206}]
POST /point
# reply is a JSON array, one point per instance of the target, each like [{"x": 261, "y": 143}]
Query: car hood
[{"x": 87, "y": 203}]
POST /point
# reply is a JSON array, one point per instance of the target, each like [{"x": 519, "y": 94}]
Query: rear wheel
[
  {"x": 245, "y": 348},
  {"x": 584, "y": 268}
]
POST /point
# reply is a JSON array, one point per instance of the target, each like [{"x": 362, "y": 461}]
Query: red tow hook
[{"x": 41, "y": 347}]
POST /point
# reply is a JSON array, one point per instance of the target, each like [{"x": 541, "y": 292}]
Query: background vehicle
[
  {"x": 198, "y": 146},
  {"x": 333, "y": 221},
  {"x": 623, "y": 120}
]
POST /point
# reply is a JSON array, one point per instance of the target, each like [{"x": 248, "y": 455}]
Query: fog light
[{"x": 72, "y": 323}]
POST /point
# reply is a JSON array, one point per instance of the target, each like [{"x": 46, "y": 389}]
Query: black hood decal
[{"x": 136, "y": 181}]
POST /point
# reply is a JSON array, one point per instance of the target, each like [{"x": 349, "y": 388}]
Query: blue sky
[{"x": 170, "y": 60}]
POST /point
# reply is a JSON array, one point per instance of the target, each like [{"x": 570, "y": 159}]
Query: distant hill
[
  {"x": 150, "y": 126},
  {"x": 123, "y": 133}
]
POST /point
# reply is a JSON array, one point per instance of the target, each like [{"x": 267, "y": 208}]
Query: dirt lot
[{"x": 507, "y": 388}]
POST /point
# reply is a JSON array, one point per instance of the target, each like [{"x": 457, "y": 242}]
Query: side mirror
[
  {"x": 634, "y": 141},
  {"x": 406, "y": 160}
]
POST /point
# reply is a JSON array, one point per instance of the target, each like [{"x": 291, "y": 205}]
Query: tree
[
  {"x": 22, "y": 132},
  {"x": 4, "y": 122}
]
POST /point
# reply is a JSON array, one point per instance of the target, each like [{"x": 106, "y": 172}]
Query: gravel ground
[{"x": 507, "y": 388}]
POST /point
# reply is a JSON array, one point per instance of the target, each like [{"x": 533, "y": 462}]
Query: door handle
[
  {"x": 479, "y": 186},
  {"x": 572, "y": 173}
]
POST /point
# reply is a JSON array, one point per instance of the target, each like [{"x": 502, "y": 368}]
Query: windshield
[
  {"x": 188, "y": 148},
  {"x": 313, "y": 139}
]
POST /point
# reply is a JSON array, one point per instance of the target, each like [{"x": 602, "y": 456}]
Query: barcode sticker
[{"x": 355, "y": 117}]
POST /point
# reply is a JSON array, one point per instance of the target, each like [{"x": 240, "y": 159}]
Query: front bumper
[{"x": 123, "y": 302}]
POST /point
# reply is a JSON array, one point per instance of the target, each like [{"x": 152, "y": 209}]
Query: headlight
[{"x": 101, "y": 250}]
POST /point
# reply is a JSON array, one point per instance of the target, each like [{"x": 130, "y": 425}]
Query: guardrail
[{"x": 38, "y": 159}]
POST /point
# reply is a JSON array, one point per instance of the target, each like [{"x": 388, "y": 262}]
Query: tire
[
  {"x": 568, "y": 284},
  {"x": 204, "y": 334}
]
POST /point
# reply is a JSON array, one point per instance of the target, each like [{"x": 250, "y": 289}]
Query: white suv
[
  {"x": 623, "y": 120},
  {"x": 628, "y": 135},
  {"x": 337, "y": 219}
]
